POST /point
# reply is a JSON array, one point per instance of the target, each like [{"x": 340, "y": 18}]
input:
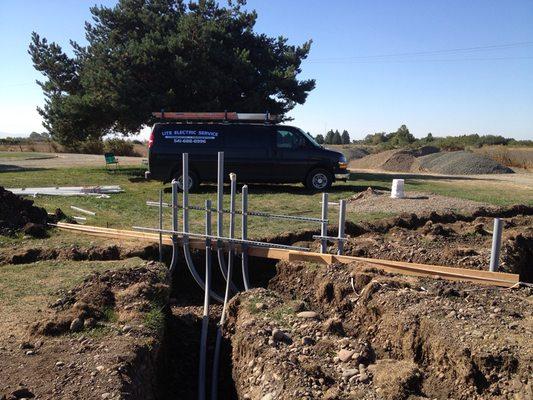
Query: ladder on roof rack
[{"x": 218, "y": 116}]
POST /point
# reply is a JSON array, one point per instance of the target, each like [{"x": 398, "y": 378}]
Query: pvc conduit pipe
[
  {"x": 205, "y": 318},
  {"x": 244, "y": 236},
  {"x": 174, "y": 261},
  {"x": 342, "y": 220},
  {"x": 218, "y": 343},
  {"x": 220, "y": 220},
  {"x": 186, "y": 249}
]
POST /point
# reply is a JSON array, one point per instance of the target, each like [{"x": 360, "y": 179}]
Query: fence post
[{"x": 160, "y": 225}]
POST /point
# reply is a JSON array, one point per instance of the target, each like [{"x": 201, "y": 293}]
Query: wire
[{"x": 428, "y": 53}]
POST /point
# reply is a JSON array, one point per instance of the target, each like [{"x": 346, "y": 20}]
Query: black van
[{"x": 255, "y": 152}]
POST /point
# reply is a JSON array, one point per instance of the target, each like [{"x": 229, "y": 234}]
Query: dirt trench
[{"x": 352, "y": 332}]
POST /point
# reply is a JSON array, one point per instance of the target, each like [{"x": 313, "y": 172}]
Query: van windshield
[{"x": 310, "y": 138}]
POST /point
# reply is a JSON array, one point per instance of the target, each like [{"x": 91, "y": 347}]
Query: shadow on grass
[
  {"x": 295, "y": 189},
  {"x": 376, "y": 176},
  {"x": 16, "y": 168}
]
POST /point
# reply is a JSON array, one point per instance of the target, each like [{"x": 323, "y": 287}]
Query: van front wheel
[
  {"x": 319, "y": 179},
  {"x": 194, "y": 182}
]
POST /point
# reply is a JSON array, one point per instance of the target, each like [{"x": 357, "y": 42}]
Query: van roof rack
[{"x": 224, "y": 116}]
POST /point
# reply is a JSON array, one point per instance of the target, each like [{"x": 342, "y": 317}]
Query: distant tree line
[
  {"x": 403, "y": 138},
  {"x": 334, "y": 137}
]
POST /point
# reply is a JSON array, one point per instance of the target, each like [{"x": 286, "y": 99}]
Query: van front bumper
[{"x": 342, "y": 177}]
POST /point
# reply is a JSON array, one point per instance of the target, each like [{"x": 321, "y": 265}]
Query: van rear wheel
[
  {"x": 194, "y": 182},
  {"x": 319, "y": 180}
]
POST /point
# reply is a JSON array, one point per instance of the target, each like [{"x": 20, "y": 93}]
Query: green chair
[{"x": 110, "y": 160}]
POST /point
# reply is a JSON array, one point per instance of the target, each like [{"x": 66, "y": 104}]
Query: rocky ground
[
  {"x": 307, "y": 332},
  {"x": 99, "y": 340},
  {"x": 351, "y": 332}
]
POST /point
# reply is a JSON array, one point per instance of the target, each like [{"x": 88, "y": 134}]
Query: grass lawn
[{"x": 127, "y": 209}]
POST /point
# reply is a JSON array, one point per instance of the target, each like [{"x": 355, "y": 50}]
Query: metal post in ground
[
  {"x": 496, "y": 244},
  {"x": 324, "y": 224},
  {"x": 244, "y": 236},
  {"x": 160, "y": 225},
  {"x": 342, "y": 220},
  {"x": 205, "y": 318}
]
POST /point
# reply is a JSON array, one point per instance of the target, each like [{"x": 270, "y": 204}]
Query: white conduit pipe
[
  {"x": 216, "y": 359},
  {"x": 244, "y": 236},
  {"x": 186, "y": 250},
  {"x": 220, "y": 223},
  {"x": 174, "y": 261},
  {"x": 205, "y": 318}
]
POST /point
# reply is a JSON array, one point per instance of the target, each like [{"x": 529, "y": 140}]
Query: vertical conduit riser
[
  {"x": 205, "y": 318},
  {"x": 174, "y": 261},
  {"x": 496, "y": 245},
  {"x": 160, "y": 226},
  {"x": 244, "y": 236},
  {"x": 342, "y": 220},
  {"x": 220, "y": 220},
  {"x": 186, "y": 251},
  {"x": 218, "y": 343}
]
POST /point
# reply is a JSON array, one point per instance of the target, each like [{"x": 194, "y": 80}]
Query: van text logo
[{"x": 190, "y": 136}]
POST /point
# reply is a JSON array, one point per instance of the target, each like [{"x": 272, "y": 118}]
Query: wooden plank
[{"x": 414, "y": 269}]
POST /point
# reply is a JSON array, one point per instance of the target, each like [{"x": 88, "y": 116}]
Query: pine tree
[
  {"x": 345, "y": 137},
  {"x": 337, "y": 138},
  {"x": 319, "y": 139},
  {"x": 146, "y": 55}
]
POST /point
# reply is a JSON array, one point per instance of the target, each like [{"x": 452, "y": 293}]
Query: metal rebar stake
[
  {"x": 244, "y": 236},
  {"x": 342, "y": 220},
  {"x": 160, "y": 225},
  {"x": 324, "y": 224},
  {"x": 205, "y": 318},
  {"x": 496, "y": 244}
]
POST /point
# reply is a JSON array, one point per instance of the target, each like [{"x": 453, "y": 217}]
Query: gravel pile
[{"x": 461, "y": 163}]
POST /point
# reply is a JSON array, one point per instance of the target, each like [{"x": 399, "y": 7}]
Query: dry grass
[{"x": 515, "y": 157}]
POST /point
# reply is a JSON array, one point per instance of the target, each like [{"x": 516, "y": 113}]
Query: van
[{"x": 256, "y": 152}]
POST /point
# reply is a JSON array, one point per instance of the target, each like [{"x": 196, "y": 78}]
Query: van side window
[{"x": 288, "y": 140}]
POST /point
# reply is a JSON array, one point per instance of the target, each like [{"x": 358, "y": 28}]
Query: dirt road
[{"x": 61, "y": 160}]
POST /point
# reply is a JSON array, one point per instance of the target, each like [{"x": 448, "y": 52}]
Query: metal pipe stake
[
  {"x": 160, "y": 225},
  {"x": 496, "y": 244}
]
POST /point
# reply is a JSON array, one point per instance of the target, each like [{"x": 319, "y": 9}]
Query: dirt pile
[
  {"x": 17, "y": 213},
  {"x": 461, "y": 163},
  {"x": 121, "y": 297},
  {"x": 430, "y": 159},
  {"x": 100, "y": 340},
  {"x": 349, "y": 331}
]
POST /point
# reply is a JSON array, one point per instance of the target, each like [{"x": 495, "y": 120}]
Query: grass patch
[{"x": 154, "y": 320}]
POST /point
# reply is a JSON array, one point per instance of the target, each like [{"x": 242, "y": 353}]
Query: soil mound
[
  {"x": 372, "y": 335},
  {"x": 17, "y": 213},
  {"x": 461, "y": 163},
  {"x": 113, "y": 296}
]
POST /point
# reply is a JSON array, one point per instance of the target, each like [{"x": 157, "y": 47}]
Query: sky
[{"x": 446, "y": 67}]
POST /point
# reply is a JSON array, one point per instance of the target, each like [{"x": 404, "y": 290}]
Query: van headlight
[{"x": 343, "y": 164}]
